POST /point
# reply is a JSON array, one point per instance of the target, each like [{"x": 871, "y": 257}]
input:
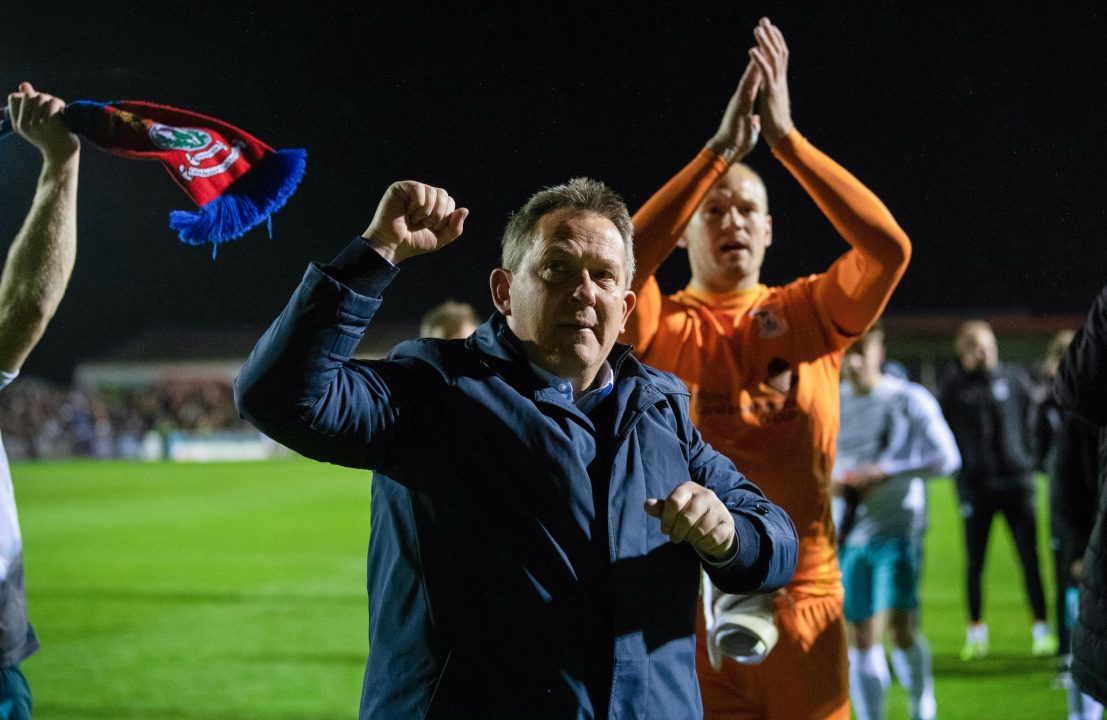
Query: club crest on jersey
[
  {"x": 770, "y": 321},
  {"x": 167, "y": 137}
]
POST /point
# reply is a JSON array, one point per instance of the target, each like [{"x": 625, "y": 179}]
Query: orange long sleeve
[
  {"x": 658, "y": 226},
  {"x": 857, "y": 286}
]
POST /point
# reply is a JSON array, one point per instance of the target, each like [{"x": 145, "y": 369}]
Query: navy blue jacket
[{"x": 512, "y": 572}]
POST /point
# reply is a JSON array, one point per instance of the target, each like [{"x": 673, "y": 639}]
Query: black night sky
[{"x": 982, "y": 129}]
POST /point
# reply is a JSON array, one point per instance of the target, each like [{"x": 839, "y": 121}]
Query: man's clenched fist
[
  {"x": 695, "y": 515},
  {"x": 413, "y": 218}
]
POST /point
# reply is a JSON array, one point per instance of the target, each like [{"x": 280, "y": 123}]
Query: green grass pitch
[{"x": 172, "y": 592}]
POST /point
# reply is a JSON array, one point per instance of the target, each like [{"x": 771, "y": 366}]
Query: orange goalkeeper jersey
[{"x": 762, "y": 365}]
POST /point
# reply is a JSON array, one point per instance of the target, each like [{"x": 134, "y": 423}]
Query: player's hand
[
  {"x": 863, "y": 477},
  {"x": 738, "y": 130},
  {"x": 413, "y": 219},
  {"x": 774, "y": 105},
  {"x": 695, "y": 515},
  {"x": 36, "y": 116}
]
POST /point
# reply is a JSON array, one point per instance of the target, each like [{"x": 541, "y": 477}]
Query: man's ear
[
  {"x": 768, "y": 230},
  {"x": 500, "y": 283},
  {"x": 629, "y": 299}
]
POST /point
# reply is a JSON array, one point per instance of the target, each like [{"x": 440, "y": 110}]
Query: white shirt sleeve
[{"x": 926, "y": 446}]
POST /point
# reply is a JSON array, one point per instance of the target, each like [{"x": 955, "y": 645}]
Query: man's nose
[
  {"x": 733, "y": 218},
  {"x": 585, "y": 291}
]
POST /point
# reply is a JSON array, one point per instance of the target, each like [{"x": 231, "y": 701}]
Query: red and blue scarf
[{"x": 236, "y": 180}]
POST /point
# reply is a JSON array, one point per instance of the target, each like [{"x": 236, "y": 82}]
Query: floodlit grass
[
  {"x": 1009, "y": 683},
  {"x": 196, "y": 591},
  {"x": 236, "y": 591}
]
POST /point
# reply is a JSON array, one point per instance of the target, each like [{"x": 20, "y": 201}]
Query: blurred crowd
[{"x": 41, "y": 420}]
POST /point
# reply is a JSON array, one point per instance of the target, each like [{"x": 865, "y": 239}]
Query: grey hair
[{"x": 583, "y": 195}]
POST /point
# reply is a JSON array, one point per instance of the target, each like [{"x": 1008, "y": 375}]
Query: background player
[
  {"x": 893, "y": 436},
  {"x": 451, "y": 320},
  {"x": 762, "y": 363}
]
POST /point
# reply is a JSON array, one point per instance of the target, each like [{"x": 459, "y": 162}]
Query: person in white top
[
  {"x": 892, "y": 437},
  {"x": 39, "y": 263}
]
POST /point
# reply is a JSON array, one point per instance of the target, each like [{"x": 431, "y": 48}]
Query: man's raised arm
[
  {"x": 41, "y": 258},
  {"x": 298, "y": 386},
  {"x": 858, "y": 285},
  {"x": 659, "y": 223}
]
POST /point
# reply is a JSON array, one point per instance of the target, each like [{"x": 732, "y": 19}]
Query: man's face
[
  {"x": 567, "y": 301},
  {"x": 978, "y": 350},
  {"x": 861, "y": 365},
  {"x": 727, "y": 236}
]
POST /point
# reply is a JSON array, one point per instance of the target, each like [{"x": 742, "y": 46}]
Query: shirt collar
[{"x": 605, "y": 381}]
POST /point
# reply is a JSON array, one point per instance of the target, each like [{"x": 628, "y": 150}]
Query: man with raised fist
[{"x": 514, "y": 567}]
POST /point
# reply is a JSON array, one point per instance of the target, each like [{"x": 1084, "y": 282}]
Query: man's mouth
[{"x": 733, "y": 246}]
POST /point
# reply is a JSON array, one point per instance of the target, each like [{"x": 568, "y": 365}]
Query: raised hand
[
  {"x": 737, "y": 133},
  {"x": 412, "y": 219},
  {"x": 695, "y": 515},
  {"x": 774, "y": 105},
  {"x": 36, "y": 116}
]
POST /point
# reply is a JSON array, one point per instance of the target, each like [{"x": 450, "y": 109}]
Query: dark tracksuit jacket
[{"x": 989, "y": 414}]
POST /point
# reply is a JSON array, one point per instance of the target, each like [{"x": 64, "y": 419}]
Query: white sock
[
  {"x": 913, "y": 670},
  {"x": 868, "y": 681},
  {"x": 978, "y": 632},
  {"x": 1040, "y": 629}
]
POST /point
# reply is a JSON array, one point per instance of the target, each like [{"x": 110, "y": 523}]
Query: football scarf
[{"x": 236, "y": 180}]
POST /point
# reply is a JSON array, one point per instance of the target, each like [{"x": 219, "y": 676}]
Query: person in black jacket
[
  {"x": 988, "y": 406},
  {"x": 1081, "y": 387},
  {"x": 1065, "y": 448}
]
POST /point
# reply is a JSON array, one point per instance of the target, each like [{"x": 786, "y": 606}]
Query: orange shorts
[{"x": 805, "y": 677}]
